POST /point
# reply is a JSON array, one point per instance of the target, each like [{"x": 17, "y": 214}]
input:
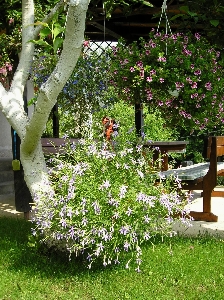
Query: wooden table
[{"x": 162, "y": 148}]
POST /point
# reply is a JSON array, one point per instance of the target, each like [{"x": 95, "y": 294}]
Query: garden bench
[
  {"x": 55, "y": 145},
  {"x": 203, "y": 176}
]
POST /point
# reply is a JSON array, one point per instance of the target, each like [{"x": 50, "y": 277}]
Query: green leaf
[
  {"x": 57, "y": 43},
  {"x": 214, "y": 22},
  {"x": 176, "y": 16},
  {"x": 147, "y": 3},
  {"x": 57, "y": 30},
  {"x": 41, "y": 43},
  {"x": 184, "y": 8},
  {"x": 40, "y": 23},
  {"x": 221, "y": 8},
  {"x": 192, "y": 14},
  {"x": 45, "y": 32}
]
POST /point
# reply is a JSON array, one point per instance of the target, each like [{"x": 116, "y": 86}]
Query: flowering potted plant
[{"x": 182, "y": 74}]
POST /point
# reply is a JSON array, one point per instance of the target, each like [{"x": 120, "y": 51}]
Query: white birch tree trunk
[{"x": 11, "y": 102}]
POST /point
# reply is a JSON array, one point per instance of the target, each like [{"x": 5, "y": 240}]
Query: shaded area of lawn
[{"x": 178, "y": 268}]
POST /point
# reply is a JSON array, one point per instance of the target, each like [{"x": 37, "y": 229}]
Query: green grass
[{"x": 188, "y": 268}]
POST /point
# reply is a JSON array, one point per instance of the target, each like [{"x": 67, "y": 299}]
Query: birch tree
[{"x": 11, "y": 102}]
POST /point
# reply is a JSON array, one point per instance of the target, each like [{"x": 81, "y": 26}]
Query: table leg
[{"x": 164, "y": 155}]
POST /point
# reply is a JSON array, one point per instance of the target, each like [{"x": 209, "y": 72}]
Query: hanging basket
[{"x": 186, "y": 83}]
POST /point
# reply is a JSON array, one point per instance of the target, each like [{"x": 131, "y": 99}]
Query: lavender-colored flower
[
  {"x": 138, "y": 261},
  {"x": 106, "y": 154},
  {"x": 116, "y": 215},
  {"x": 92, "y": 149},
  {"x": 147, "y": 236},
  {"x": 126, "y": 167},
  {"x": 146, "y": 219},
  {"x": 139, "y": 148},
  {"x": 129, "y": 211},
  {"x": 79, "y": 168},
  {"x": 123, "y": 191},
  {"x": 62, "y": 211},
  {"x": 63, "y": 223},
  {"x": 126, "y": 246},
  {"x": 59, "y": 236},
  {"x": 141, "y": 174},
  {"x": 84, "y": 221},
  {"x": 96, "y": 207},
  {"x": 106, "y": 184},
  {"x": 73, "y": 146},
  {"x": 138, "y": 269},
  {"x": 130, "y": 150},
  {"x": 143, "y": 135},
  {"x": 99, "y": 249},
  {"x": 140, "y": 197},
  {"x": 69, "y": 212},
  {"x": 84, "y": 211},
  {"x": 131, "y": 130},
  {"x": 34, "y": 232},
  {"x": 71, "y": 232},
  {"x": 64, "y": 178},
  {"x": 83, "y": 202},
  {"x": 124, "y": 230},
  {"x": 115, "y": 133},
  {"x": 117, "y": 250},
  {"x": 89, "y": 257}
]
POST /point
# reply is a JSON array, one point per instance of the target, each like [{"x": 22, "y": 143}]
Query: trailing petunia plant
[
  {"x": 181, "y": 74},
  {"x": 109, "y": 202}
]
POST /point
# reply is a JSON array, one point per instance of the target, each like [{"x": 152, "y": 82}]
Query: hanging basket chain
[
  {"x": 104, "y": 39},
  {"x": 164, "y": 8}
]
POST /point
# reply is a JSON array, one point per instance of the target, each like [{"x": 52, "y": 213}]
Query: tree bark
[{"x": 11, "y": 102}]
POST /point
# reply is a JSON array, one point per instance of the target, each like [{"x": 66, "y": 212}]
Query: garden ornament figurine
[{"x": 109, "y": 127}]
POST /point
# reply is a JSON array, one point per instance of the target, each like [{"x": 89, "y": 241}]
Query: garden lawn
[{"x": 178, "y": 268}]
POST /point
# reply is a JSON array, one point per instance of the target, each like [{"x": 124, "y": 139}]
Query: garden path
[{"x": 202, "y": 227}]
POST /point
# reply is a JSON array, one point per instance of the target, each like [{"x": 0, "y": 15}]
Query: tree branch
[
  {"x": 26, "y": 56},
  {"x": 47, "y": 97},
  {"x": 48, "y": 18}
]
